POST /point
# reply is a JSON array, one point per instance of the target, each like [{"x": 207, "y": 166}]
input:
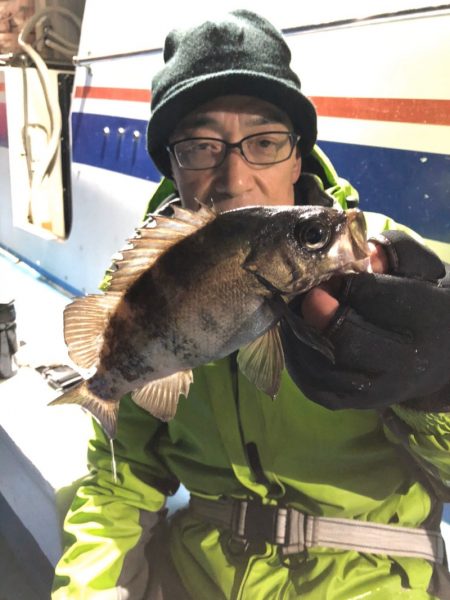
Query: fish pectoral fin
[
  {"x": 160, "y": 397},
  {"x": 104, "y": 412},
  {"x": 262, "y": 361},
  {"x": 304, "y": 332},
  {"x": 85, "y": 320}
]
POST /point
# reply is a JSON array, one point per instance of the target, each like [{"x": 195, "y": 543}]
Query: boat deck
[{"x": 42, "y": 448}]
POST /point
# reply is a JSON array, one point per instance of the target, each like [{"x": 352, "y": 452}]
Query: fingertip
[
  {"x": 379, "y": 261},
  {"x": 319, "y": 308}
]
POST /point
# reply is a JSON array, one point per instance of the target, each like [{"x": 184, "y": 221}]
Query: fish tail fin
[{"x": 106, "y": 413}]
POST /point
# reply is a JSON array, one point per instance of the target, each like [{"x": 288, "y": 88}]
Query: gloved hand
[{"x": 391, "y": 335}]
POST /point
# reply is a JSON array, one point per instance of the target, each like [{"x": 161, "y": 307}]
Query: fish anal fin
[
  {"x": 85, "y": 320},
  {"x": 160, "y": 397},
  {"x": 105, "y": 412},
  {"x": 262, "y": 361}
]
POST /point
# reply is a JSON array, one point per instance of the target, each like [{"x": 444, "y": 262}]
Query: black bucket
[{"x": 8, "y": 339}]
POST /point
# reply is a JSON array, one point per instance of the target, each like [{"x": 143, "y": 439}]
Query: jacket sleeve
[
  {"x": 425, "y": 435},
  {"x": 109, "y": 524},
  {"x": 426, "y": 438}
]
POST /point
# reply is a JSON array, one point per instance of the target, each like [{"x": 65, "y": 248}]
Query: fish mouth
[
  {"x": 361, "y": 265},
  {"x": 357, "y": 227},
  {"x": 358, "y": 233}
]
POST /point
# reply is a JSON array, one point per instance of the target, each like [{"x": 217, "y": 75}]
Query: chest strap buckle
[{"x": 259, "y": 523}]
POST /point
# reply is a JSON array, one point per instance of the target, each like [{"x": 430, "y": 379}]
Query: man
[{"x": 289, "y": 499}]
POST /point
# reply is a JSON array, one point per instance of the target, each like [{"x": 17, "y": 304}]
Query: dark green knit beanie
[{"x": 239, "y": 54}]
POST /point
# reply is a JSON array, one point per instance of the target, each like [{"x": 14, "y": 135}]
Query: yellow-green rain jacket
[{"x": 343, "y": 463}]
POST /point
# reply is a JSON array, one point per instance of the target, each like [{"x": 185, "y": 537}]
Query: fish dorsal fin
[
  {"x": 152, "y": 241},
  {"x": 201, "y": 217},
  {"x": 262, "y": 361},
  {"x": 85, "y": 320},
  {"x": 160, "y": 397}
]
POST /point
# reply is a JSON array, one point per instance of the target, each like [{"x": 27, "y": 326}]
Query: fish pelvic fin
[
  {"x": 151, "y": 241},
  {"x": 85, "y": 320},
  {"x": 160, "y": 397},
  {"x": 106, "y": 413},
  {"x": 262, "y": 361}
]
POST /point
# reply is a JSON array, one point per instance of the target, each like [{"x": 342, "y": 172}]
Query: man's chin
[
  {"x": 224, "y": 205},
  {"x": 220, "y": 206}
]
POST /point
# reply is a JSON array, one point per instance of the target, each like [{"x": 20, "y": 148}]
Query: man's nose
[{"x": 234, "y": 176}]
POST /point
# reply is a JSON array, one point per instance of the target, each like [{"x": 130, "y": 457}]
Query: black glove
[{"x": 391, "y": 336}]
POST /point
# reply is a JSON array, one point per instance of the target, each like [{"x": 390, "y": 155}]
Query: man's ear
[
  {"x": 297, "y": 166},
  {"x": 172, "y": 164}
]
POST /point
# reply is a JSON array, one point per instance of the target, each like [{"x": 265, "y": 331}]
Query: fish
[{"x": 195, "y": 287}]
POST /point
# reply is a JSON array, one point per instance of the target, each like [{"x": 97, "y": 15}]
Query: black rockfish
[{"x": 195, "y": 287}]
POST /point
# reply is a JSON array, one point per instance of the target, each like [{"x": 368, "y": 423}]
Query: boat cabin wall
[{"x": 376, "y": 76}]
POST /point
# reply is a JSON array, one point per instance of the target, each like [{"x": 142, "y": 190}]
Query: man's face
[{"x": 235, "y": 183}]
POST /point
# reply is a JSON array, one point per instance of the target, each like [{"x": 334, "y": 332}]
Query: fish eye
[{"x": 314, "y": 235}]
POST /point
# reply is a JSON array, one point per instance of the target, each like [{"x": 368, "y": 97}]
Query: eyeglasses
[{"x": 266, "y": 148}]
